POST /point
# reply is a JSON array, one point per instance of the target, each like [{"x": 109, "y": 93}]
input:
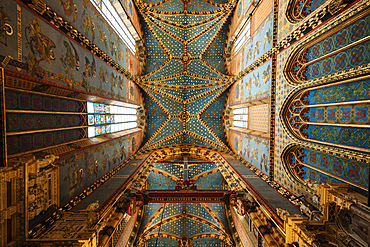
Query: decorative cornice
[{"x": 65, "y": 27}]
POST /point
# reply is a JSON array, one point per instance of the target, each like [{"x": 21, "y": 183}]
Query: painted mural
[
  {"x": 331, "y": 113},
  {"x": 285, "y": 27},
  {"x": 259, "y": 43},
  {"x": 257, "y": 84},
  {"x": 78, "y": 170},
  {"x": 256, "y": 150},
  {"x": 298, "y": 10},
  {"x": 55, "y": 58},
  {"x": 340, "y": 116}
]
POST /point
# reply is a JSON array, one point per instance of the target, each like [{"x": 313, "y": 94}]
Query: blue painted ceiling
[
  {"x": 184, "y": 79},
  {"x": 201, "y": 223},
  {"x": 184, "y": 84}
]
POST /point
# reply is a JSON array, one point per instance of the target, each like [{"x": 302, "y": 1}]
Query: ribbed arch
[
  {"x": 306, "y": 164},
  {"x": 331, "y": 104},
  {"x": 333, "y": 51},
  {"x": 298, "y": 10}
]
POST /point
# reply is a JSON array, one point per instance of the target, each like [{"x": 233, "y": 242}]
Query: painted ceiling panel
[
  {"x": 209, "y": 182},
  {"x": 188, "y": 220},
  {"x": 153, "y": 242},
  {"x": 218, "y": 1},
  {"x": 160, "y": 182},
  {"x": 190, "y": 93},
  {"x": 170, "y": 209},
  {"x": 175, "y": 140},
  {"x": 199, "y": 68},
  {"x": 176, "y": 31},
  {"x": 213, "y": 116},
  {"x": 200, "y": 6},
  {"x": 173, "y": 126},
  {"x": 198, "y": 210},
  {"x": 191, "y": 81},
  {"x": 190, "y": 19},
  {"x": 185, "y": 227},
  {"x": 170, "y": 6},
  {"x": 199, "y": 45},
  {"x": 205, "y": 242},
  {"x": 150, "y": 210},
  {"x": 154, "y": 52},
  {"x": 178, "y": 93},
  {"x": 192, "y": 32},
  {"x": 198, "y": 105},
  {"x": 216, "y": 51},
  {"x": 219, "y": 210},
  {"x": 187, "y": 82},
  {"x": 174, "y": 169},
  {"x": 196, "y": 126},
  {"x": 171, "y": 80},
  {"x": 189, "y": 140},
  {"x": 171, "y": 44},
  {"x": 153, "y": 1},
  {"x": 171, "y": 68},
  {"x": 173, "y": 107},
  {"x": 197, "y": 169},
  {"x": 155, "y": 117}
]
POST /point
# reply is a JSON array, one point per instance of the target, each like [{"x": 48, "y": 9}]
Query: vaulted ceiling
[
  {"x": 184, "y": 79},
  {"x": 199, "y": 224},
  {"x": 184, "y": 85}
]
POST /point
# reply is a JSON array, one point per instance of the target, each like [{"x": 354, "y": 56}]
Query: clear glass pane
[
  {"x": 90, "y": 132},
  {"x": 90, "y": 107}
]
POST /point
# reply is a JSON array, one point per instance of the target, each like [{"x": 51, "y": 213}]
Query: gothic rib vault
[{"x": 184, "y": 83}]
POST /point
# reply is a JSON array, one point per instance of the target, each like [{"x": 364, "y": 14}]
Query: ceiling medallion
[
  {"x": 184, "y": 116},
  {"x": 185, "y": 58}
]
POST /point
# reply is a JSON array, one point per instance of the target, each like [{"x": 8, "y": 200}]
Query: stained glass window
[
  {"x": 104, "y": 119},
  {"x": 110, "y": 14},
  {"x": 243, "y": 36},
  {"x": 241, "y": 117}
]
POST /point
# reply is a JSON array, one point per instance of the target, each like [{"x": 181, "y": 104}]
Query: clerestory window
[
  {"x": 105, "y": 119},
  {"x": 241, "y": 117},
  {"x": 110, "y": 14}
]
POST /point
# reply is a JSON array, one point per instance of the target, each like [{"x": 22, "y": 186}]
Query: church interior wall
[{"x": 304, "y": 129}]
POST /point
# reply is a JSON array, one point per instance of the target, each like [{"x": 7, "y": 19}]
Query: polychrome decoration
[
  {"x": 307, "y": 165},
  {"x": 298, "y": 10},
  {"x": 196, "y": 223},
  {"x": 336, "y": 113},
  {"x": 346, "y": 47},
  {"x": 328, "y": 112},
  {"x": 185, "y": 78}
]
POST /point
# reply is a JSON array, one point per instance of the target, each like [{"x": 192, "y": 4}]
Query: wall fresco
[
  {"x": 55, "y": 58},
  {"x": 79, "y": 169},
  {"x": 259, "y": 43},
  {"x": 256, "y": 151},
  {"x": 253, "y": 86}
]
